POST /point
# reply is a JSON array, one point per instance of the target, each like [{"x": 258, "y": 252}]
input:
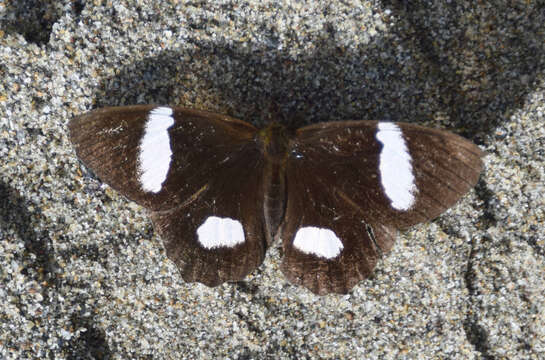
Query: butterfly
[{"x": 220, "y": 191}]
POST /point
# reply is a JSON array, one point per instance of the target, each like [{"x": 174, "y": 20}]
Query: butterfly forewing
[
  {"x": 362, "y": 180},
  {"x": 198, "y": 172},
  {"x": 157, "y": 156}
]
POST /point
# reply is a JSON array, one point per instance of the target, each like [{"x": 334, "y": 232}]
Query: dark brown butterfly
[{"x": 220, "y": 191}]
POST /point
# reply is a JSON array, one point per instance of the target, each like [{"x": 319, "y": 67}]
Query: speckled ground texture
[{"x": 82, "y": 274}]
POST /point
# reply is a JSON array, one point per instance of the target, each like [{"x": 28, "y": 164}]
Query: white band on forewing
[
  {"x": 155, "y": 154},
  {"x": 396, "y": 171}
]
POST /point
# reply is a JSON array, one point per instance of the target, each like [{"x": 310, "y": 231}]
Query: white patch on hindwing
[
  {"x": 217, "y": 232},
  {"x": 318, "y": 241}
]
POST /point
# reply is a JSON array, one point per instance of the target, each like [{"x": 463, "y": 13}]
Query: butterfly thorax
[{"x": 274, "y": 140}]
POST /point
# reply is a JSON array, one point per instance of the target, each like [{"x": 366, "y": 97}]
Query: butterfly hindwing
[
  {"x": 218, "y": 234},
  {"x": 328, "y": 247},
  {"x": 199, "y": 173},
  {"x": 358, "y": 182}
]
